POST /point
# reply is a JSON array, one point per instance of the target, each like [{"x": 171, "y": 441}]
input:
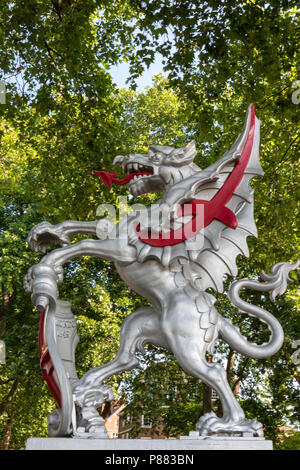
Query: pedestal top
[{"x": 186, "y": 443}]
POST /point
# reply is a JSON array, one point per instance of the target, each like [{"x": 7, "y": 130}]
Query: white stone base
[{"x": 186, "y": 443}]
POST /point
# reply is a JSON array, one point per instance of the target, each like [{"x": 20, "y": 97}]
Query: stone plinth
[{"x": 186, "y": 443}]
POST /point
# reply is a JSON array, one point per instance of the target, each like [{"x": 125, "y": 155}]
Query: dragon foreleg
[
  {"x": 277, "y": 282},
  {"x": 41, "y": 281}
]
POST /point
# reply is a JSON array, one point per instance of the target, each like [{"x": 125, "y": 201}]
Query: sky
[{"x": 120, "y": 73}]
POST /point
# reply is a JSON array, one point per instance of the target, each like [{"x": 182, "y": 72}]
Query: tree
[
  {"x": 64, "y": 118},
  {"x": 290, "y": 442}
]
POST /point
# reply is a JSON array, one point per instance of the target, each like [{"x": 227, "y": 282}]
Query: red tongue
[{"x": 110, "y": 178}]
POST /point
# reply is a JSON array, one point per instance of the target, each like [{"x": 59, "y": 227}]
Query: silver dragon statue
[{"x": 170, "y": 254}]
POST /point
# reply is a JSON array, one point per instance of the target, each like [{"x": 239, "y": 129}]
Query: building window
[
  {"x": 146, "y": 422},
  {"x": 214, "y": 395}
]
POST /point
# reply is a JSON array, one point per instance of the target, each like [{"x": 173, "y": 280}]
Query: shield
[{"x": 57, "y": 344}]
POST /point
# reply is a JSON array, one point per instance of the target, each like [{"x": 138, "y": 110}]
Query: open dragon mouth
[
  {"x": 133, "y": 170},
  {"x": 138, "y": 168}
]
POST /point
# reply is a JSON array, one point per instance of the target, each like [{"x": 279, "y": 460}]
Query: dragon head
[{"x": 155, "y": 171}]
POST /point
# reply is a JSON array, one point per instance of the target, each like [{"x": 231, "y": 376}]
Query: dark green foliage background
[{"x": 64, "y": 117}]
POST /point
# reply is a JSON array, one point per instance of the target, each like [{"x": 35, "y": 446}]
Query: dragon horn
[{"x": 118, "y": 159}]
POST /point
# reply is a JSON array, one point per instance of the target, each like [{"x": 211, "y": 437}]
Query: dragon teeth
[{"x": 137, "y": 177}]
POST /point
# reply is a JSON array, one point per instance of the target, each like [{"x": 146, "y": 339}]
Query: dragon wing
[
  {"x": 221, "y": 242},
  {"x": 202, "y": 258}
]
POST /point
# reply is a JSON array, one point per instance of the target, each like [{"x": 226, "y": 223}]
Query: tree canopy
[{"x": 65, "y": 117}]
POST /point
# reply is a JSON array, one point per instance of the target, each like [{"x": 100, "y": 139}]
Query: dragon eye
[{"x": 155, "y": 157}]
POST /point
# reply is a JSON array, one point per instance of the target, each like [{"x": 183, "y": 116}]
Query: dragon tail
[{"x": 277, "y": 282}]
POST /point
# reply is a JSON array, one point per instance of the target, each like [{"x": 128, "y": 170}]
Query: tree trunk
[
  {"x": 8, "y": 399},
  {"x": 230, "y": 362},
  {"x": 238, "y": 378},
  {"x": 236, "y": 387},
  {"x": 207, "y": 402},
  {"x": 7, "y": 433},
  {"x": 106, "y": 409},
  {"x": 229, "y": 368},
  {"x": 207, "y": 406},
  {"x": 4, "y": 310}
]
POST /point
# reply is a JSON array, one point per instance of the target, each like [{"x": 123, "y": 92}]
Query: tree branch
[
  {"x": 7, "y": 433},
  {"x": 9, "y": 397},
  {"x": 6, "y": 303},
  {"x": 288, "y": 148},
  {"x": 50, "y": 50},
  {"x": 4, "y": 382},
  {"x": 240, "y": 374},
  {"x": 282, "y": 160},
  {"x": 230, "y": 362}
]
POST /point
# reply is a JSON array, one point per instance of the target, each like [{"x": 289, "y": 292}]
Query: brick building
[
  {"x": 112, "y": 422},
  {"x": 119, "y": 426}
]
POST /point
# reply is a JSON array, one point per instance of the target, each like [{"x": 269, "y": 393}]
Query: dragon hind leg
[
  {"x": 192, "y": 360},
  {"x": 139, "y": 328}
]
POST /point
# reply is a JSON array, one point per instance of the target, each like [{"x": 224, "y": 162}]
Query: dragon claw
[
  {"x": 205, "y": 418},
  {"x": 93, "y": 396},
  {"x": 45, "y": 234},
  {"x": 34, "y": 273},
  {"x": 210, "y": 424},
  {"x": 27, "y": 282}
]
